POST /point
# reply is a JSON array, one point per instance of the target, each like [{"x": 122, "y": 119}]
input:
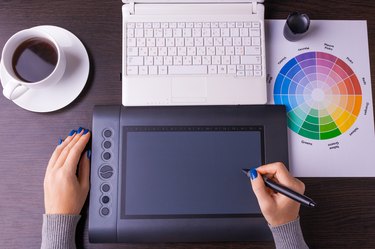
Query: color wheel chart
[
  {"x": 324, "y": 80},
  {"x": 322, "y": 94}
]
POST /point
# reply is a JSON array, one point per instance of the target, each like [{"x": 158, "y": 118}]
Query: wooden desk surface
[{"x": 344, "y": 219}]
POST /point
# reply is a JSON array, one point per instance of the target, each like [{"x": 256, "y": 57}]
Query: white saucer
[{"x": 62, "y": 93}]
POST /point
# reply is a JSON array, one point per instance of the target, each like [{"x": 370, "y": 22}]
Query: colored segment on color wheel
[{"x": 322, "y": 94}]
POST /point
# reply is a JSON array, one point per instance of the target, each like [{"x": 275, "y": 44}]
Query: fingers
[
  {"x": 84, "y": 171},
  {"x": 60, "y": 148},
  {"x": 280, "y": 173},
  {"x": 259, "y": 188},
  {"x": 76, "y": 150}
]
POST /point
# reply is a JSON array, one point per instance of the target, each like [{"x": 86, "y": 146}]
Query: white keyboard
[{"x": 194, "y": 48}]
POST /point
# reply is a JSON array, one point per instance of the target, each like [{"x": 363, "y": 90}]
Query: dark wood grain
[{"x": 345, "y": 217}]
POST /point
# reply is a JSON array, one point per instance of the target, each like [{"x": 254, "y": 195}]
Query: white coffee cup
[{"x": 14, "y": 84}]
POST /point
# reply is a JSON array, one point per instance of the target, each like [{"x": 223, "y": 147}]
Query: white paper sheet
[{"x": 324, "y": 80}]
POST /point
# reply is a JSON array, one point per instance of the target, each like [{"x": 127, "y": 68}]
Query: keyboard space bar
[{"x": 192, "y": 70}]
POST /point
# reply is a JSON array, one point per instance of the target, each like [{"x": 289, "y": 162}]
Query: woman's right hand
[{"x": 277, "y": 209}]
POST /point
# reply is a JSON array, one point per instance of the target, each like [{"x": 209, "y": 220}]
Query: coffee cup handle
[{"x": 14, "y": 90}]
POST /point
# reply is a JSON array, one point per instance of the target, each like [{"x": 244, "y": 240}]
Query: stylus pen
[{"x": 304, "y": 200}]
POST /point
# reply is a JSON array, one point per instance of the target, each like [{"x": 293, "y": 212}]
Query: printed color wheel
[{"x": 322, "y": 95}]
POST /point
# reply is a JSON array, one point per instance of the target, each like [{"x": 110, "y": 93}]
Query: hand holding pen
[{"x": 276, "y": 207}]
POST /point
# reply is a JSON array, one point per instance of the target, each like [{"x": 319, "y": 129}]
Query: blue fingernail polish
[
  {"x": 253, "y": 173},
  {"x": 60, "y": 141},
  {"x": 72, "y": 132},
  {"x": 85, "y": 131},
  {"x": 79, "y": 130},
  {"x": 88, "y": 154}
]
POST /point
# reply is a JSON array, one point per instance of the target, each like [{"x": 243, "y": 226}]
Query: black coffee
[{"x": 34, "y": 60}]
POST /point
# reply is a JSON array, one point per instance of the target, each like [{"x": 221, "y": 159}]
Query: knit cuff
[
  {"x": 58, "y": 231},
  {"x": 289, "y": 236}
]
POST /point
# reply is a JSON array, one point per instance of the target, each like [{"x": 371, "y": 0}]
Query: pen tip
[
  {"x": 312, "y": 204},
  {"x": 245, "y": 171}
]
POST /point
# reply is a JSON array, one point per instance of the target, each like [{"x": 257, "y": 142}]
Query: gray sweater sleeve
[
  {"x": 58, "y": 231},
  {"x": 289, "y": 236}
]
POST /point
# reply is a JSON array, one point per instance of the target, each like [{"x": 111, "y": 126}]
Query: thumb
[{"x": 259, "y": 187}]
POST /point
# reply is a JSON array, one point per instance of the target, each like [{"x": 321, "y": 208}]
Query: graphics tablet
[{"x": 173, "y": 174}]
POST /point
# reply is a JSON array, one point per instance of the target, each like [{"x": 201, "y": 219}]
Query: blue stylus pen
[{"x": 304, "y": 200}]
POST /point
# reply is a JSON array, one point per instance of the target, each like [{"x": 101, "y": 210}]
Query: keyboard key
[
  {"x": 132, "y": 51},
  {"x": 232, "y": 69},
  {"x": 249, "y": 73},
  {"x": 225, "y": 60},
  {"x": 141, "y": 42},
  {"x": 160, "y": 42},
  {"x": 177, "y": 60},
  {"x": 255, "y": 41},
  {"x": 130, "y": 33},
  {"x": 187, "y": 60},
  {"x": 149, "y": 60},
  {"x": 131, "y": 42},
  {"x": 216, "y": 60},
  {"x": 132, "y": 70},
  {"x": 206, "y": 32},
  {"x": 152, "y": 70},
  {"x": 222, "y": 69},
  {"x": 244, "y": 32},
  {"x": 220, "y": 51},
  {"x": 143, "y": 51},
  {"x": 240, "y": 73},
  {"x": 135, "y": 61},
  {"x": 257, "y": 73},
  {"x": 168, "y": 33},
  {"x": 130, "y": 25},
  {"x": 252, "y": 50},
  {"x": 234, "y": 32},
  {"x": 149, "y": 33},
  {"x": 189, "y": 70},
  {"x": 227, "y": 41},
  {"x": 212, "y": 69},
  {"x": 198, "y": 41},
  {"x": 229, "y": 50},
  {"x": 138, "y": 32},
  {"x": 168, "y": 60},
  {"x": 162, "y": 70},
  {"x": 181, "y": 51},
  {"x": 197, "y": 60},
  {"x": 254, "y": 32},
  {"x": 189, "y": 42},
  {"x": 153, "y": 51},
  {"x": 158, "y": 60},
  {"x": 225, "y": 32},
  {"x": 256, "y": 24},
  {"x": 143, "y": 70},
  {"x": 247, "y": 25},
  {"x": 172, "y": 51},
  {"x": 169, "y": 42},
  {"x": 177, "y": 33},
  {"x": 235, "y": 60},
  {"x": 249, "y": 59},
  {"x": 206, "y": 60},
  {"x": 197, "y": 32},
  {"x": 208, "y": 41},
  {"x": 156, "y": 25},
  {"x": 186, "y": 32}
]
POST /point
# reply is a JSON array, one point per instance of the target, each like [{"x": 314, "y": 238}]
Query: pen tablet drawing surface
[{"x": 175, "y": 173}]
